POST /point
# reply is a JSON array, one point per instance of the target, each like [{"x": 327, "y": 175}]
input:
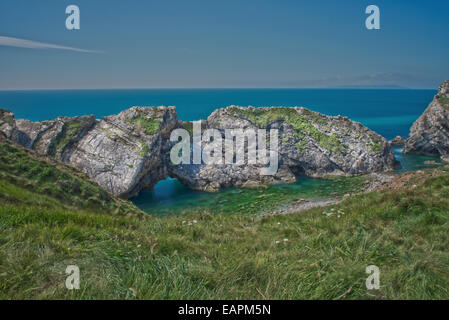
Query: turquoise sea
[{"x": 389, "y": 112}]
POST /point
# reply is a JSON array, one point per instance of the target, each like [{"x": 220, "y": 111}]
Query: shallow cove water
[
  {"x": 388, "y": 112},
  {"x": 170, "y": 197}
]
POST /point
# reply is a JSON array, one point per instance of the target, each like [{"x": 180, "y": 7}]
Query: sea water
[{"x": 389, "y": 112}]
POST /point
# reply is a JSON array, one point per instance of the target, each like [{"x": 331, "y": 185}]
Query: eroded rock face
[
  {"x": 56, "y": 137},
  {"x": 429, "y": 135},
  {"x": 122, "y": 153},
  {"x": 207, "y": 177},
  {"x": 212, "y": 177},
  {"x": 7, "y": 123},
  {"x": 311, "y": 143},
  {"x": 130, "y": 151}
]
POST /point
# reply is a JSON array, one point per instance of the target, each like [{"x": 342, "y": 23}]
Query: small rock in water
[{"x": 398, "y": 141}]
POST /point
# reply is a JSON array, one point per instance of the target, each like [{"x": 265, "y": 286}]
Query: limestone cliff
[
  {"x": 429, "y": 135},
  {"x": 310, "y": 143},
  {"x": 130, "y": 151},
  {"x": 122, "y": 153}
]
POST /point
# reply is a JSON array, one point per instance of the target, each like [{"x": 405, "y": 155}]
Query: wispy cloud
[{"x": 22, "y": 43}]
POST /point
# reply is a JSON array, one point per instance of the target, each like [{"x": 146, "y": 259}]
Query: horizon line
[{"x": 221, "y": 88}]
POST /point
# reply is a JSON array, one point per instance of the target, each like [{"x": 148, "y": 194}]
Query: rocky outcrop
[
  {"x": 56, "y": 137},
  {"x": 130, "y": 151},
  {"x": 212, "y": 177},
  {"x": 310, "y": 143},
  {"x": 122, "y": 153},
  {"x": 397, "y": 141},
  {"x": 429, "y": 135}
]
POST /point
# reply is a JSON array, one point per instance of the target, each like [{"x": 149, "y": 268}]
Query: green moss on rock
[
  {"x": 144, "y": 150},
  {"x": 303, "y": 127},
  {"x": 7, "y": 117},
  {"x": 376, "y": 145},
  {"x": 149, "y": 126},
  {"x": 66, "y": 137},
  {"x": 444, "y": 101}
]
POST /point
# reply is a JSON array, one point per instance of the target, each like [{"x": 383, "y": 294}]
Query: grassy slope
[
  {"x": 26, "y": 169},
  {"x": 403, "y": 232}
]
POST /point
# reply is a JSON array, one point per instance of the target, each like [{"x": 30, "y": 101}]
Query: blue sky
[{"x": 224, "y": 44}]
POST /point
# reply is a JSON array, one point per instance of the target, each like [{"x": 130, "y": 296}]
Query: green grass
[
  {"x": 148, "y": 126},
  {"x": 227, "y": 256},
  {"x": 72, "y": 188}
]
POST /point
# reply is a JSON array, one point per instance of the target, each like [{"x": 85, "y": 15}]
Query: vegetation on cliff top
[
  {"x": 6, "y": 116},
  {"x": 303, "y": 127},
  {"x": 310, "y": 255},
  {"x": 149, "y": 126},
  {"x": 444, "y": 101},
  {"x": 187, "y": 125}
]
